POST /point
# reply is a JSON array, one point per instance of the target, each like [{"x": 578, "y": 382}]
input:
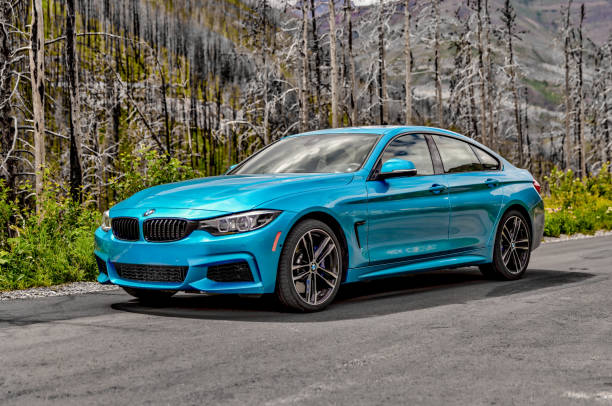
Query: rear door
[
  {"x": 474, "y": 179},
  {"x": 408, "y": 217}
]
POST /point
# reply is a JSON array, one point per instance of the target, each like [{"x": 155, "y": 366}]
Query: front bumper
[{"x": 198, "y": 251}]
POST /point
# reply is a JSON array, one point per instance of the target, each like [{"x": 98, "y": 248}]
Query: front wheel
[
  {"x": 512, "y": 248},
  {"x": 150, "y": 296},
  {"x": 310, "y": 267}
]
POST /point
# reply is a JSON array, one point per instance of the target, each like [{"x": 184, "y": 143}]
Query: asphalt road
[{"x": 446, "y": 337}]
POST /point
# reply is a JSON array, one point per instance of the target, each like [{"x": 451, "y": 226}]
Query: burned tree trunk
[
  {"x": 438, "y": 78},
  {"x": 304, "y": 81},
  {"x": 489, "y": 68},
  {"x": 353, "y": 82},
  {"x": 482, "y": 76},
  {"x": 334, "y": 63},
  {"x": 382, "y": 75},
  {"x": 317, "y": 57},
  {"x": 567, "y": 150},
  {"x": 7, "y": 131},
  {"x": 509, "y": 18},
  {"x": 76, "y": 171},
  {"x": 408, "y": 58},
  {"x": 37, "y": 77},
  {"x": 580, "y": 115}
]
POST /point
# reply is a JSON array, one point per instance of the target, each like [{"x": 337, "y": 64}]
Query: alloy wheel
[
  {"x": 514, "y": 244},
  {"x": 315, "y": 267}
]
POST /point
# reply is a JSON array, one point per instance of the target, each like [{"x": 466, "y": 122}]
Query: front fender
[{"x": 347, "y": 205}]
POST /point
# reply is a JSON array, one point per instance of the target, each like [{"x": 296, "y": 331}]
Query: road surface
[{"x": 445, "y": 337}]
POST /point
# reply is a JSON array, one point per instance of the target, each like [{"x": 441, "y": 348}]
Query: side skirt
[{"x": 392, "y": 269}]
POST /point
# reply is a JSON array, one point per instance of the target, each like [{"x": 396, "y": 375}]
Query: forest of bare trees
[{"x": 209, "y": 82}]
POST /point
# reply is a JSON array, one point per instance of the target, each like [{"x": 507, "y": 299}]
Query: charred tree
[
  {"x": 37, "y": 78},
  {"x": 408, "y": 61},
  {"x": 334, "y": 63},
  {"x": 509, "y": 21},
  {"x": 74, "y": 127}
]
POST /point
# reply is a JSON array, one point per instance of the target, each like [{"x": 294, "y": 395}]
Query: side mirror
[
  {"x": 230, "y": 168},
  {"x": 396, "y": 168}
]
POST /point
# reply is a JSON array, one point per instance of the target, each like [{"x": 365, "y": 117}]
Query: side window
[
  {"x": 489, "y": 162},
  {"x": 411, "y": 147},
  {"x": 457, "y": 156}
]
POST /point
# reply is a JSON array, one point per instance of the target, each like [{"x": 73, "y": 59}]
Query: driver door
[{"x": 408, "y": 217}]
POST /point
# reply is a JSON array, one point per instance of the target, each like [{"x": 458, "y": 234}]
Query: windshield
[{"x": 320, "y": 153}]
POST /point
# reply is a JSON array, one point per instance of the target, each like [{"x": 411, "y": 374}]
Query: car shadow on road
[{"x": 364, "y": 299}]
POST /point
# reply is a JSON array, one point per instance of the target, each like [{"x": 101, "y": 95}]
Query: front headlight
[
  {"x": 238, "y": 223},
  {"x": 106, "y": 221}
]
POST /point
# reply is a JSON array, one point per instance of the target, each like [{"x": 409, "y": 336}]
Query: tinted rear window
[
  {"x": 457, "y": 156},
  {"x": 488, "y": 161}
]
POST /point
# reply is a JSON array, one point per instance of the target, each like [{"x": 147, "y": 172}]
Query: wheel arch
[
  {"x": 334, "y": 224},
  {"x": 521, "y": 208}
]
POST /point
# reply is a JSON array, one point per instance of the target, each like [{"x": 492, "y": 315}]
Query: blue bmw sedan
[{"x": 313, "y": 211}]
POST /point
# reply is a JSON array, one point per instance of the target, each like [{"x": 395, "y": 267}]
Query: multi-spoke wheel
[
  {"x": 310, "y": 267},
  {"x": 512, "y": 248}
]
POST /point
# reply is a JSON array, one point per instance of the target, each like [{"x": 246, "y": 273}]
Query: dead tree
[
  {"x": 437, "y": 67},
  {"x": 72, "y": 68},
  {"x": 37, "y": 77},
  {"x": 334, "y": 63},
  {"x": 509, "y": 20},
  {"x": 408, "y": 58},
  {"x": 568, "y": 149},
  {"x": 482, "y": 75},
  {"x": 580, "y": 116},
  {"x": 353, "y": 81},
  {"x": 304, "y": 80},
  {"x": 318, "y": 65},
  {"x": 8, "y": 128},
  {"x": 382, "y": 74},
  {"x": 489, "y": 76}
]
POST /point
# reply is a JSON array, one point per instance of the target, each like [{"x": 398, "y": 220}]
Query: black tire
[
  {"x": 305, "y": 248},
  {"x": 150, "y": 296},
  {"x": 512, "y": 250}
]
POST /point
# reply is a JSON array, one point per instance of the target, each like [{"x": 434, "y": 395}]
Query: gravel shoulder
[{"x": 74, "y": 288}]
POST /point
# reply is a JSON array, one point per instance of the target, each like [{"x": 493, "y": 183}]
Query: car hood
[{"x": 228, "y": 194}]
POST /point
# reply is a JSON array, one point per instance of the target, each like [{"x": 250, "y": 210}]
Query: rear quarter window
[{"x": 488, "y": 161}]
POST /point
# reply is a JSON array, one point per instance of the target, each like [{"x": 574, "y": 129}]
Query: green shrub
[
  {"x": 145, "y": 168},
  {"x": 57, "y": 247},
  {"x": 50, "y": 249},
  {"x": 578, "y": 205}
]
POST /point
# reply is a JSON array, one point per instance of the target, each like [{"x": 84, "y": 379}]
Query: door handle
[
  {"x": 437, "y": 188},
  {"x": 491, "y": 182}
]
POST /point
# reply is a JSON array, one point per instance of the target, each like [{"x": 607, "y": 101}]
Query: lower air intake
[
  {"x": 151, "y": 273},
  {"x": 101, "y": 265},
  {"x": 232, "y": 272}
]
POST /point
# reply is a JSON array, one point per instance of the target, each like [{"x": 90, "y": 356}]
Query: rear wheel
[
  {"x": 310, "y": 267},
  {"x": 512, "y": 249},
  {"x": 148, "y": 295}
]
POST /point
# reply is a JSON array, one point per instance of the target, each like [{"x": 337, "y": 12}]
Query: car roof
[
  {"x": 389, "y": 131},
  {"x": 383, "y": 130}
]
